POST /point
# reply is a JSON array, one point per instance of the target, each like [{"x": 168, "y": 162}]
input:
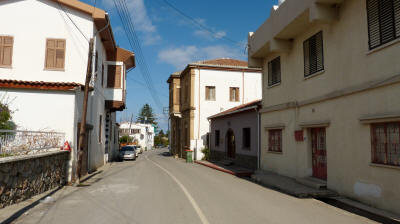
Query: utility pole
[
  {"x": 82, "y": 130},
  {"x": 130, "y": 124}
]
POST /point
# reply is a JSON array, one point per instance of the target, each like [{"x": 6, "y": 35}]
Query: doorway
[
  {"x": 318, "y": 151},
  {"x": 231, "y": 145}
]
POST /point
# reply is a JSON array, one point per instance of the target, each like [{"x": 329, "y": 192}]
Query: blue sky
[{"x": 169, "y": 41}]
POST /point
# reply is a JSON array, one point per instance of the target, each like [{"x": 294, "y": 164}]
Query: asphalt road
[{"x": 159, "y": 189}]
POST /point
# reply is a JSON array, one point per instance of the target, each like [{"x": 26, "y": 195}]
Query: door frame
[
  {"x": 230, "y": 153},
  {"x": 319, "y": 170}
]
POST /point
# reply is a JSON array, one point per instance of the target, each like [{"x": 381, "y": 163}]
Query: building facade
[
  {"x": 142, "y": 134},
  {"x": 43, "y": 64},
  {"x": 207, "y": 88},
  {"x": 234, "y": 135},
  {"x": 330, "y": 108}
]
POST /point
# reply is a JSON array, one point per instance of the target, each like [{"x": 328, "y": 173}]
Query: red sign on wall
[{"x": 298, "y": 135}]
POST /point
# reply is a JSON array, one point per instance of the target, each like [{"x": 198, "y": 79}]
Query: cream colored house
[
  {"x": 204, "y": 89},
  {"x": 331, "y": 87}
]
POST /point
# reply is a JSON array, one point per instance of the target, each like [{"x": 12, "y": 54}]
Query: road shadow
[{"x": 166, "y": 154}]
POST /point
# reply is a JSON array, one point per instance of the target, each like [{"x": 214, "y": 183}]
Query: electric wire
[{"x": 134, "y": 42}]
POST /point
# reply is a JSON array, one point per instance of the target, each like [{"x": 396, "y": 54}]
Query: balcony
[
  {"x": 115, "y": 73},
  {"x": 286, "y": 22}
]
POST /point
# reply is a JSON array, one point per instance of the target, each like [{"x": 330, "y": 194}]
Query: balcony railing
[{"x": 16, "y": 143}]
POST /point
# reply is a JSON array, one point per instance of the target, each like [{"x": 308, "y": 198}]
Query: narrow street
[{"x": 159, "y": 189}]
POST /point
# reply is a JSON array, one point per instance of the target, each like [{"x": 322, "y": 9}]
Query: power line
[
  {"x": 134, "y": 41},
  {"x": 73, "y": 22},
  {"x": 200, "y": 25}
]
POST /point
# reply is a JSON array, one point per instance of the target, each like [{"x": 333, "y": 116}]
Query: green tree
[
  {"x": 5, "y": 118},
  {"x": 125, "y": 139},
  {"x": 146, "y": 115}
]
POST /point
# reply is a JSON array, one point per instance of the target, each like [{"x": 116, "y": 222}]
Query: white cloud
[
  {"x": 210, "y": 33},
  {"x": 179, "y": 57},
  {"x": 140, "y": 19}
]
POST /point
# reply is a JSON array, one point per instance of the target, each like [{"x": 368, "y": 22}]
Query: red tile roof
[
  {"x": 19, "y": 84},
  {"x": 242, "y": 107},
  {"x": 224, "y": 62}
]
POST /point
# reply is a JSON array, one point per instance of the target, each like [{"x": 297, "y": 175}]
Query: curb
[{"x": 238, "y": 174}]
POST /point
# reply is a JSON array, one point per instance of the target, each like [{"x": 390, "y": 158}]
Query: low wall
[
  {"x": 25, "y": 176},
  {"x": 246, "y": 161}
]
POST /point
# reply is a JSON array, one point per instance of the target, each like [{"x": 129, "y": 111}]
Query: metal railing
[{"x": 14, "y": 143}]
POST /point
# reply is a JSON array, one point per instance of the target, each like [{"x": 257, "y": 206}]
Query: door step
[
  {"x": 312, "y": 182},
  {"x": 227, "y": 162}
]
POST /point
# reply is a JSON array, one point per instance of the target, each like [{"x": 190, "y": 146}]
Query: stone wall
[
  {"x": 26, "y": 176},
  {"x": 246, "y": 161}
]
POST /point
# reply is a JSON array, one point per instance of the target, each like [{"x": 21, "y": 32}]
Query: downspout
[
  {"x": 198, "y": 127},
  {"x": 258, "y": 139}
]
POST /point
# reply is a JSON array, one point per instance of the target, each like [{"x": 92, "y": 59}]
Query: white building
[
  {"x": 206, "y": 88},
  {"x": 44, "y": 49},
  {"x": 142, "y": 134}
]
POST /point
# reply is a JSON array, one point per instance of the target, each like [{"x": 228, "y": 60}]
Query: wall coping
[{"x": 27, "y": 157}]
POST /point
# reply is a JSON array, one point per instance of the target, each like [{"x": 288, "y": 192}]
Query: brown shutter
[
  {"x": 55, "y": 54},
  {"x": 237, "y": 94},
  {"x": 207, "y": 93},
  {"x": 114, "y": 76},
  {"x": 110, "y": 76},
  {"x": 6, "y": 48},
  {"x": 118, "y": 71}
]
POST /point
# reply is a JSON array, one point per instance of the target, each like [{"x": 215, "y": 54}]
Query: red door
[{"x": 318, "y": 145}]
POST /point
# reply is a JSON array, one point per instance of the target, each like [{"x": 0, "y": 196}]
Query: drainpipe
[
  {"x": 259, "y": 139},
  {"x": 198, "y": 128}
]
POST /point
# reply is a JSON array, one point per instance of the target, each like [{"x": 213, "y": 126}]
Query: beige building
[
  {"x": 203, "y": 89},
  {"x": 331, "y": 87}
]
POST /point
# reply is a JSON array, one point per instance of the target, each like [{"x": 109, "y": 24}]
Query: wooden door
[
  {"x": 318, "y": 145},
  {"x": 231, "y": 146}
]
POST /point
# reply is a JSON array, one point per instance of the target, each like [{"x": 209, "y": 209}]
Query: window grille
[
  {"x": 313, "y": 55},
  {"x": 274, "y": 71}
]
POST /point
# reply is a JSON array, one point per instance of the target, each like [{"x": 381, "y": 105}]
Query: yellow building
[{"x": 331, "y": 87}]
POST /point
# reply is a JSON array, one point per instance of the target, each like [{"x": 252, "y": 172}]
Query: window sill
[
  {"x": 395, "y": 41},
  {"x": 210, "y": 100},
  {"x": 272, "y": 86},
  {"x": 273, "y": 152},
  {"x": 315, "y": 74},
  {"x": 385, "y": 166},
  {"x": 54, "y": 69},
  {"x": 5, "y": 66},
  {"x": 233, "y": 101}
]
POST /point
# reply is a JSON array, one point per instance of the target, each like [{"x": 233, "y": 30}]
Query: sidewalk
[
  {"x": 14, "y": 211},
  {"x": 232, "y": 169},
  {"x": 289, "y": 185}
]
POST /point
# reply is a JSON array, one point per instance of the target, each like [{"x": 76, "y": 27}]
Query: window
[
  {"x": 177, "y": 95},
  {"x": 275, "y": 140},
  {"x": 96, "y": 63},
  {"x": 383, "y": 21},
  {"x": 234, "y": 94},
  {"x": 216, "y": 137},
  {"x": 274, "y": 71},
  {"x": 100, "y": 127},
  {"x": 114, "y": 76},
  {"x": 102, "y": 75},
  {"x": 55, "y": 54},
  {"x": 6, "y": 49},
  {"x": 210, "y": 93},
  {"x": 386, "y": 143},
  {"x": 246, "y": 138},
  {"x": 313, "y": 55}
]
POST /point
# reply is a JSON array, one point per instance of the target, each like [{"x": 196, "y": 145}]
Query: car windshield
[{"x": 127, "y": 148}]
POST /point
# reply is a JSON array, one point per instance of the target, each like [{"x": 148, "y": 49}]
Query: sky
[{"x": 170, "y": 41}]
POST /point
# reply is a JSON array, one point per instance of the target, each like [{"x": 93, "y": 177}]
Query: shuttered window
[
  {"x": 114, "y": 76},
  {"x": 274, "y": 71},
  {"x": 313, "y": 55},
  {"x": 275, "y": 140},
  {"x": 234, "y": 94},
  {"x": 6, "y": 49},
  {"x": 383, "y": 21},
  {"x": 210, "y": 93},
  {"x": 55, "y": 54},
  {"x": 385, "y": 139}
]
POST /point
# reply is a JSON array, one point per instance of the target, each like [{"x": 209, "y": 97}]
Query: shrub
[{"x": 206, "y": 152}]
